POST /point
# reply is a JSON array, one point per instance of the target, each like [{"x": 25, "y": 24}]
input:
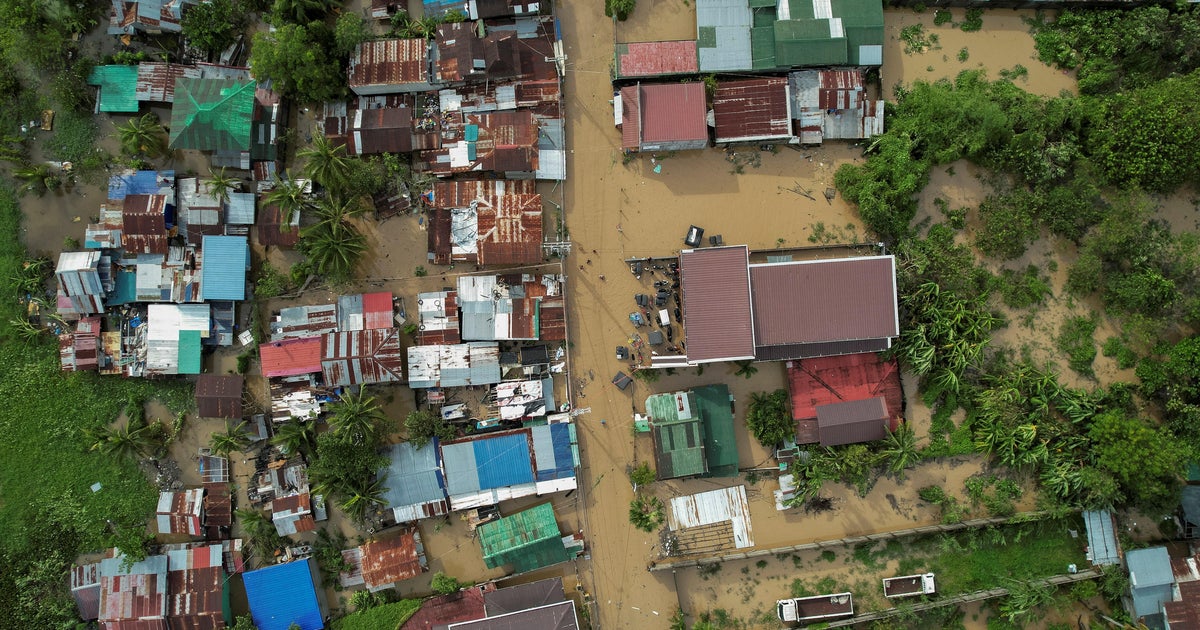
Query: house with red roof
[{"x": 662, "y": 116}]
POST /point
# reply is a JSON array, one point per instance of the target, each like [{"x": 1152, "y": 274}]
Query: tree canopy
[
  {"x": 768, "y": 418},
  {"x": 297, "y": 59},
  {"x": 213, "y": 26}
]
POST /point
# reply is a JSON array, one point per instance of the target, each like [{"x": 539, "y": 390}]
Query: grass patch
[
  {"x": 385, "y": 617},
  {"x": 1022, "y": 289},
  {"x": 981, "y": 559},
  {"x": 1076, "y": 342},
  {"x": 1117, "y": 348},
  {"x": 74, "y": 140}
]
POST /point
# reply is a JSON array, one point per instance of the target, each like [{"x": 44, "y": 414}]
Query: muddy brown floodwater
[{"x": 617, "y": 210}]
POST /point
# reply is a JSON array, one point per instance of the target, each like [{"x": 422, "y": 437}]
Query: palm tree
[
  {"x": 301, "y": 11},
  {"x": 130, "y": 442},
  {"x": 357, "y": 416},
  {"x": 334, "y": 210},
  {"x": 334, "y": 253},
  {"x": 901, "y": 450},
  {"x": 220, "y": 185},
  {"x": 143, "y": 135},
  {"x": 297, "y": 436},
  {"x": 291, "y": 197},
  {"x": 362, "y": 498},
  {"x": 233, "y": 439},
  {"x": 326, "y": 163},
  {"x": 39, "y": 177},
  {"x": 25, "y": 330},
  {"x": 746, "y": 369}
]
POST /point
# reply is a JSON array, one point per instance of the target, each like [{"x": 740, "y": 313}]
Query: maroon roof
[
  {"x": 378, "y": 310},
  {"x": 716, "y": 303},
  {"x": 218, "y": 507},
  {"x": 381, "y": 130},
  {"x": 826, "y": 380},
  {"x": 663, "y": 113},
  {"x": 389, "y": 62},
  {"x": 144, "y": 224},
  {"x": 443, "y": 610},
  {"x": 753, "y": 109},
  {"x": 462, "y": 55},
  {"x": 1184, "y": 614},
  {"x": 818, "y": 302},
  {"x": 438, "y": 236},
  {"x": 85, "y": 588},
  {"x": 643, "y": 59},
  {"x": 461, "y": 193},
  {"x": 269, "y": 233},
  {"x": 631, "y": 118},
  {"x": 510, "y": 233},
  {"x": 195, "y": 593},
  {"x": 219, "y": 396},
  {"x": 840, "y": 89},
  {"x": 852, "y": 421},
  {"x": 507, "y": 141}
]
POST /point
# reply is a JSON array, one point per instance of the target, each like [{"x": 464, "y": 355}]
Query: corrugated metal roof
[
  {"x": 552, "y": 454},
  {"x": 1151, "y": 580},
  {"x": 723, "y": 35},
  {"x": 240, "y": 208},
  {"x": 378, "y": 310},
  {"x": 826, "y": 380},
  {"x": 386, "y": 562},
  {"x": 717, "y": 316},
  {"x": 291, "y": 357},
  {"x": 527, "y": 540},
  {"x": 219, "y": 396},
  {"x": 665, "y": 116},
  {"x": 813, "y": 302},
  {"x": 852, "y": 421},
  {"x": 85, "y": 588},
  {"x": 156, "y": 81},
  {"x": 464, "y": 56},
  {"x": 226, "y": 259},
  {"x": 349, "y": 312},
  {"x": 128, "y": 183},
  {"x": 389, "y": 65},
  {"x": 278, "y": 230},
  {"x": 381, "y": 130},
  {"x": 117, "y": 88},
  {"x": 136, "y": 593},
  {"x": 144, "y": 224},
  {"x": 1102, "y": 540},
  {"x": 648, "y": 59},
  {"x": 487, "y": 462},
  {"x": 524, "y": 596},
  {"x": 454, "y": 365},
  {"x": 631, "y": 118},
  {"x": 362, "y": 357},
  {"x": 479, "y": 192},
  {"x": 438, "y": 611},
  {"x": 714, "y": 506},
  {"x": 189, "y": 351},
  {"x": 715, "y": 405},
  {"x": 195, "y": 585},
  {"x": 304, "y": 321},
  {"x": 1186, "y": 612},
  {"x": 284, "y": 594},
  {"x": 752, "y": 110},
  {"x": 413, "y": 476},
  {"x": 180, "y": 512},
  {"x": 212, "y": 114},
  {"x": 679, "y": 449},
  {"x": 559, "y": 616}
]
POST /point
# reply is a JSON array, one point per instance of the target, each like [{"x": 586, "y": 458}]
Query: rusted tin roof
[
  {"x": 488, "y": 192},
  {"x": 310, "y": 320},
  {"x": 1184, "y": 613},
  {"x": 219, "y": 396},
  {"x": 496, "y": 141},
  {"x": 464, "y": 56},
  {"x": 290, "y": 357},
  {"x": 438, "y": 314},
  {"x": 218, "y": 507},
  {"x": 752, "y": 110},
  {"x": 438, "y": 236},
  {"x": 85, "y": 588},
  {"x": 824, "y": 301},
  {"x": 362, "y": 357},
  {"x": 381, "y": 130},
  {"x": 80, "y": 350},
  {"x": 715, "y": 286},
  {"x": 135, "y": 597},
  {"x": 181, "y": 512},
  {"x": 195, "y": 585},
  {"x": 156, "y": 80},
  {"x": 386, "y": 562},
  {"x": 272, "y": 230},
  {"x": 440, "y": 611},
  {"x": 510, "y": 233},
  {"x": 649, "y": 59},
  {"x": 389, "y": 62},
  {"x": 378, "y": 310},
  {"x": 144, "y": 224}
]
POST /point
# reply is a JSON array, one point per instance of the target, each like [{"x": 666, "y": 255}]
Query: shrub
[
  {"x": 1023, "y": 289},
  {"x": 973, "y": 21},
  {"x": 443, "y": 584},
  {"x": 1117, "y": 348},
  {"x": 271, "y": 282},
  {"x": 642, "y": 475},
  {"x": 1075, "y": 340},
  {"x": 942, "y": 16},
  {"x": 619, "y": 9}
]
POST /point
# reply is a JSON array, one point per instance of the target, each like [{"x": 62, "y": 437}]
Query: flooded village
[{"x": 603, "y": 344}]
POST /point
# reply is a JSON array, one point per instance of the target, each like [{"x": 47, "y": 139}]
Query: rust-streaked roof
[
  {"x": 852, "y": 421},
  {"x": 648, "y": 59},
  {"x": 631, "y": 117},
  {"x": 1184, "y": 614},
  {"x": 362, "y": 357},
  {"x": 511, "y": 233},
  {"x": 380, "y": 130},
  {"x": 156, "y": 80},
  {"x": 810, "y": 303},
  {"x": 219, "y": 396},
  {"x": 271, "y": 219},
  {"x": 463, "y": 56},
  {"x": 462, "y": 193},
  {"x": 195, "y": 585},
  {"x": 715, "y": 286},
  {"x": 389, "y": 62},
  {"x": 144, "y": 226},
  {"x": 385, "y": 562},
  {"x": 752, "y": 109},
  {"x": 290, "y": 357}
]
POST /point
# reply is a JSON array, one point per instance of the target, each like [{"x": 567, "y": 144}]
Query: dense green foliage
[
  {"x": 1172, "y": 379},
  {"x": 346, "y": 458},
  {"x": 443, "y": 584},
  {"x": 422, "y": 426},
  {"x": 297, "y": 59},
  {"x": 642, "y": 475},
  {"x": 385, "y": 617},
  {"x": 768, "y": 418},
  {"x": 619, "y": 9},
  {"x": 646, "y": 512},
  {"x": 214, "y": 26},
  {"x": 1076, "y": 340}
]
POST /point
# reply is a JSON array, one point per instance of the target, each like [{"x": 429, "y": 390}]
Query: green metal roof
[
  {"x": 720, "y": 445},
  {"x": 678, "y": 436},
  {"x": 762, "y": 47},
  {"x": 189, "y": 352},
  {"x": 212, "y": 114},
  {"x": 527, "y": 540},
  {"x": 807, "y": 43},
  {"x": 118, "y": 87}
]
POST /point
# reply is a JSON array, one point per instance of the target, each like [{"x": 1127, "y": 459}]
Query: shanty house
[
  {"x": 438, "y": 313},
  {"x": 415, "y": 486},
  {"x": 219, "y": 396},
  {"x": 196, "y": 588},
  {"x": 505, "y": 307},
  {"x": 1103, "y": 547},
  {"x": 200, "y": 213},
  {"x": 362, "y": 357},
  {"x": 174, "y": 337},
  {"x": 145, "y": 221},
  {"x": 638, "y": 60},
  {"x": 500, "y": 142},
  {"x": 293, "y": 514},
  {"x": 832, "y": 104},
  {"x": 85, "y": 589},
  {"x": 81, "y": 350},
  {"x": 844, "y": 399},
  {"x": 80, "y": 278},
  {"x": 383, "y": 564},
  {"x": 663, "y": 117},
  {"x": 290, "y": 357},
  {"x": 156, "y": 80},
  {"x": 491, "y": 222},
  {"x": 486, "y": 469},
  {"x": 753, "y": 110},
  {"x": 284, "y": 594},
  {"x": 212, "y": 114},
  {"x": 1151, "y": 584},
  {"x": 127, "y": 17},
  {"x": 181, "y": 512},
  {"x": 453, "y": 365},
  {"x": 365, "y": 311},
  {"x": 226, "y": 261},
  {"x": 311, "y": 320},
  {"x": 526, "y": 541},
  {"x": 1184, "y": 612},
  {"x": 389, "y": 66},
  {"x": 116, "y": 88},
  {"x": 134, "y": 596},
  {"x": 693, "y": 433}
]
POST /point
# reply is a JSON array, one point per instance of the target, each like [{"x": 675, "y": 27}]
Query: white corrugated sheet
[{"x": 715, "y": 506}]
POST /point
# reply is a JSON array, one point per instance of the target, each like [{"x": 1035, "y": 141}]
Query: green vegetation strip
[{"x": 385, "y": 617}]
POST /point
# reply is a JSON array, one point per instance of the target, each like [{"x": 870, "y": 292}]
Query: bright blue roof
[
  {"x": 136, "y": 183},
  {"x": 223, "y": 270},
  {"x": 503, "y": 461},
  {"x": 552, "y": 452},
  {"x": 283, "y": 594}
]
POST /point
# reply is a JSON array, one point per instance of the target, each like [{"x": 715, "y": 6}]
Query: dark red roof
[
  {"x": 269, "y": 232},
  {"x": 663, "y": 113},
  {"x": 443, "y": 610},
  {"x": 291, "y": 357},
  {"x": 438, "y": 236},
  {"x": 752, "y": 109},
  {"x": 381, "y": 130},
  {"x": 144, "y": 224},
  {"x": 510, "y": 233},
  {"x": 715, "y": 286},
  {"x": 462, "y": 193},
  {"x": 219, "y": 396},
  {"x": 1185, "y": 614},
  {"x": 389, "y": 62},
  {"x": 823, "y": 301},
  {"x": 645, "y": 59},
  {"x": 829, "y": 380}
]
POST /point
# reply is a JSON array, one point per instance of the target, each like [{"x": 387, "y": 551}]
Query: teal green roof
[
  {"x": 807, "y": 43},
  {"x": 527, "y": 540},
  {"x": 720, "y": 445},
  {"x": 212, "y": 114},
  {"x": 118, "y": 88},
  {"x": 678, "y": 437},
  {"x": 189, "y": 352}
]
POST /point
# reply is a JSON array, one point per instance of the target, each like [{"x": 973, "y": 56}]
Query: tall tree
[
  {"x": 768, "y": 419},
  {"x": 297, "y": 59},
  {"x": 300, "y": 11},
  {"x": 423, "y": 426},
  {"x": 143, "y": 136},
  {"x": 233, "y": 438},
  {"x": 334, "y": 252},
  {"x": 326, "y": 163},
  {"x": 292, "y": 198},
  {"x": 220, "y": 184},
  {"x": 1147, "y": 462},
  {"x": 358, "y": 417},
  {"x": 213, "y": 26},
  {"x": 296, "y": 436}
]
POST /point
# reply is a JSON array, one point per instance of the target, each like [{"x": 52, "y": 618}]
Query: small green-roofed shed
[
  {"x": 678, "y": 435},
  {"x": 527, "y": 540},
  {"x": 716, "y": 414},
  {"x": 118, "y": 88},
  {"x": 212, "y": 114},
  {"x": 189, "y": 351},
  {"x": 762, "y": 47}
]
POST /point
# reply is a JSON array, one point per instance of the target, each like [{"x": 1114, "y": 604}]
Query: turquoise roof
[
  {"x": 118, "y": 88},
  {"x": 189, "y": 352}
]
